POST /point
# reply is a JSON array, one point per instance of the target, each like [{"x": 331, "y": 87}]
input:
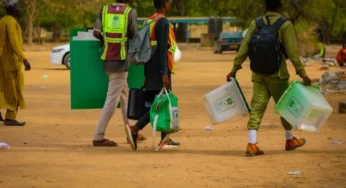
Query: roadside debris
[
  {"x": 209, "y": 128},
  {"x": 298, "y": 172},
  {"x": 4, "y": 146},
  {"x": 333, "y": 82},
  {"x": 336, "y": 142}
]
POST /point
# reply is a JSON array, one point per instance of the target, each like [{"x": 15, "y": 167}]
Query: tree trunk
[
  {"x": 331, "y": 28},
  {"x": 57, "y": 32},
  {"x": 181, "y": 30},
  {"x": 298, "y": 8},
  {"x": 29, "y": 28},
  {"x": 32, "y": 13},
  {"x": 85, "y": 20}
]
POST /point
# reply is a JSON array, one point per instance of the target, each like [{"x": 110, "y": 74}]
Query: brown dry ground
[{"x": 54, "y": 149}]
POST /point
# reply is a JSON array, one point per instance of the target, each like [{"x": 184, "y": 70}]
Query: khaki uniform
[{"x": 267, "y": 86}]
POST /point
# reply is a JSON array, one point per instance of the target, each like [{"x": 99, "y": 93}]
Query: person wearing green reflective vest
[
  {"x": 271, "y": 85},
  {"x": 115, "y": 24},
  {"x": 322, "y": 51},
  {"x": 158, "y": 69}
]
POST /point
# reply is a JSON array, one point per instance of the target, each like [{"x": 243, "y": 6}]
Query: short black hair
[
  {"x": 273, "y": 4},
  {"x": 159, "y": 3},
  {"x": 122, "y": 1}
]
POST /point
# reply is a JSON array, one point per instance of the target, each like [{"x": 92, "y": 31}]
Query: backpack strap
[
  {"x": 268, "y": 20},
  {"x": 279, "y": 23},
  {"x": 277, "y": 26},
  {"x": 259, "y": 22},
  {"x": 156, "y": 18}
]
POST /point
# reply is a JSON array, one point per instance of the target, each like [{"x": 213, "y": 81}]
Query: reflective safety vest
[
  {"x": 115, "y": 21},
  {"x": 171, "y": 40},
  {"x": 322, "y": 50}
]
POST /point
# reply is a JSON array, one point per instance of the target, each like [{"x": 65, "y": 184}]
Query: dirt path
[{"x": 54, "y": 149}]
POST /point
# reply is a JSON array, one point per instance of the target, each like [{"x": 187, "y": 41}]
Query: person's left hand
[
  {"x": 306, "y": 81},
  {"x": 27, "y": 65},
  {"x": 166, "y": 82}
]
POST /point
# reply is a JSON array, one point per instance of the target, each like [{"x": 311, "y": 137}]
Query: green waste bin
[{"x": 89, "y": 81}]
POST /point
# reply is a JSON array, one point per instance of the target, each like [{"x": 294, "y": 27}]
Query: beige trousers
[{"x": 117, "y": 91}]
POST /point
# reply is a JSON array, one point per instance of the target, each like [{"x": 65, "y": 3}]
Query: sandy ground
[{"x": 54, "y": 149}]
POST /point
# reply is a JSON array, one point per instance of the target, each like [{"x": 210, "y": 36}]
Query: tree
[
  {"x": 32, "y": 10},
  {"x": 2, "y": 11},
  {"x": 61, "y": 15}
]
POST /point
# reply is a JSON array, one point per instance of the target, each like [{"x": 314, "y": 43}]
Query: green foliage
[{"x": 330, "y": 15}]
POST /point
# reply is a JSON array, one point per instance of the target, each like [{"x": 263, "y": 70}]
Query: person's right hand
[
  {"x": 27, "y": 65},
  {"x": 229, "y": 76},
  {"x": 306, "y": 81},
  {"x": 166, "y": 82}
]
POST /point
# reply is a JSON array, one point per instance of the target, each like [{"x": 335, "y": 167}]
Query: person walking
[
  {"x": 115, "y": 25},
  {"x": 269, "y": 79},
  {"x": 158, "y": 69},
  {"x": 341, "y": 57},
  {"x": 12, "y": 59}
]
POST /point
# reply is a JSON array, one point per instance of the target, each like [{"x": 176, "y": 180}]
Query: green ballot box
[{"x": 89, "y": 81}]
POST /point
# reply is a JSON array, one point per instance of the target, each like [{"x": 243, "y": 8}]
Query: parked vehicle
[
  {"x": 229, "y": 41},
  {"x": 60, "y": 55}
]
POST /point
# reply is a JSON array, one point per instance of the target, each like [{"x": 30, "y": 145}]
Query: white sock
[
  {"x": 252, "y": 136},
  {"x": 289, "y": 135}
]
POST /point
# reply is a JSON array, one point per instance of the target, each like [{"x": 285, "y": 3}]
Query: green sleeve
[
  {"x": 322, "y": 53},
  {"x": 291, "y": 48},
  {"x": 243, "y": 51}
]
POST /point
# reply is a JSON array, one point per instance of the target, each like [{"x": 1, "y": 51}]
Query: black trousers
[{"x": 145, "y": 119}]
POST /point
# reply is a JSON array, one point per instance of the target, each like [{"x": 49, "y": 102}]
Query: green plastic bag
[{"x": 164, "y": 114}]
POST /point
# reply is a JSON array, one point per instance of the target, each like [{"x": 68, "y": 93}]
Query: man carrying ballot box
[{"x": 270, "y": 75}]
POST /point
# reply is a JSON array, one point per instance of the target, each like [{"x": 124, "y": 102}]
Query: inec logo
[
  {"x": 295, "y": 107},
  {"x": 115, "y": 21},
  {"x": 229, "y": 101},
  {"x": 223, "y": 104}
]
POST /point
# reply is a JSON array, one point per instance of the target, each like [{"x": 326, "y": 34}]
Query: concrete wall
[
  {"x": 201, "y": 32},
  {"x": 196, "y": 30}
]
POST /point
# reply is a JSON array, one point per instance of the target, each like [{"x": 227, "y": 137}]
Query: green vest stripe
[{"x": 115, "y": 24}]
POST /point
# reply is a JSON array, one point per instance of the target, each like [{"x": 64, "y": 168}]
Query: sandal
[
  {"x": 13, "y": 123},
  {"x": 104, "y": 143}
]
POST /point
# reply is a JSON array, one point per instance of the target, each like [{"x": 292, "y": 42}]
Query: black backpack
[{"x": 265, "y": 49}]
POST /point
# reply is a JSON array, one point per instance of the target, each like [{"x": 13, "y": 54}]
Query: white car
[{"x": 60, "y": 55}]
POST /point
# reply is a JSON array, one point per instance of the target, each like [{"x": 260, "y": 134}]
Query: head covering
[
  {"x": 273, "y": 3},
  {"x": 9, "y": 3}
]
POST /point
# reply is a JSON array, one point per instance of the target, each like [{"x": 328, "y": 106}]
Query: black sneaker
[
  {"x": 131, "y": 137},
  {"x": 169, "y": 144}
]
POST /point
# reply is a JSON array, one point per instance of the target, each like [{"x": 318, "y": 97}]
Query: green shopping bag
[{"x": 164, "y": 114}]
